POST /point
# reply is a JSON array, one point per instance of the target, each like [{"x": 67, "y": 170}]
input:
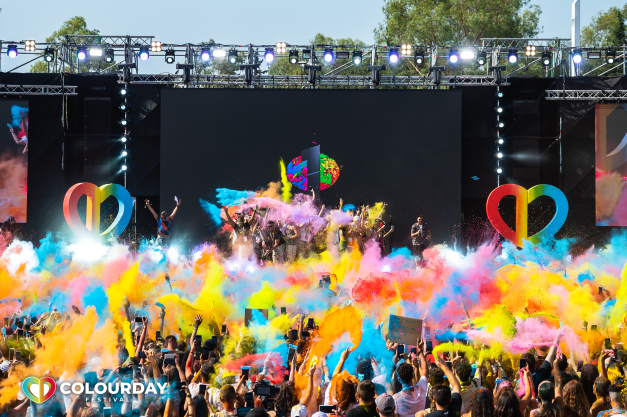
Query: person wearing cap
[{"x": 386, "y": 407}]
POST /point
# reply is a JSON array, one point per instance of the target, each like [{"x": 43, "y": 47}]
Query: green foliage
[
  {"x": 605, "y": 29},
  {"x": 217, "y": 65}
]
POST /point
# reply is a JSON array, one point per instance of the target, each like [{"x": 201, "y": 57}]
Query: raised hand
[{"x": 198, "y": 320}]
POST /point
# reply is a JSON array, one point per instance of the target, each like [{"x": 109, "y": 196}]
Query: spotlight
[
  {"x": 269, "y": 55},
  {"x": 232, "y": 56},
  {"x": 594, "y": 55},
  {"x": 328, "y": 55},
  {"x": 467, "y": 54},
  {"x": 531, "y": 50},
  {"x": 155, "y": 46},
  {"x": 453, "y": 57},
  {"x": 498, "y": 170},
  {"x": 406, "y": 49},
  {"x": 205, "y": 54},
  {"x": 499, "y": 155},
  {"x": 500, "y": 94},
  {"x": 124, "y": 122},
  {"x": 610, "y": 57},
  {"x": 124, "y": 107},
  {"x": 281, "y": 47},
  {"x": 123, "y": 91},
  {"x": 307, "y": 54},
  {"x": 109, "y": 55},
  {"x": 124, "y": 153},
  {"x": 482, "y": 58},
  {"x": 12, "y": 51},
  {"x": 219, "y": 53},
  {"x": 143, "y": 53},
  {"x": 500, "y": 141},
  {"x": 546, "y": 59},
  {"x": 419, "y": 58},
  {"x": 49, "y": 54},
  {"x": 393, "y": 56},
  {"x": 343, "y": 55},
  {"x": 512, "y": 57},
  {"x": 500, "y": 125},
  {"x": 123, "y": 139},
  {"x": 170, "y": 56},
  {"x": 499, "y": 109},
  {"x": 293, "y": 56},
  {"x": 81, "y": 53},
  {"x": 357, "y": 57},
  {"x": 124, "y": 167},
  {"x": 29, "y": 46},
  {"x": 95, "y": 52},
  {"x": 577, "y": 57}
]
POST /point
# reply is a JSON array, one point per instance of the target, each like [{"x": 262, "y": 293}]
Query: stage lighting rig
[
  {"x": 125, "y": 107},
  {"x": 453, "y": 56},
  {"x": 500, "y": 125},
  {"x": 187, "y": 70},
  {"x": 500, "y": 141},
  {"x": 81, "y": 53},
  {"x": 155, "y": 46},
  {"x": 95, "y": 52},
  {"x": 12, "y": 50},
  {"x": 307, "y": 54},
  {"x": 124, "y": 153},
  {"x": 281, "y": 47},
  {"x": 220, "y": 53},
  {"x": 512, "y": 56},
  {"x": 109, "y": 55},
  {"x": 546, "y": 59},
  {"x": 328, "y": 55},
  {"x": 343, "y": 55},
  {"x": 293, "y": 56},
  {"x": 269, "y": 55},
  {"x": 126, "y": 73},
  {"x": 406, "y": 49},
  {"x": 499, "y": 155},
  {"x": 232, "y": 56},
  {"x": 419, "y": 58},
  {"x": 498, "y": 170},
  {"x": 610, "y": 57},
  {"x": 482, "y": 58},
  {"x": 123, "y": 139},
  {"x": 29, "y": 46},
  {"x": 49, "y": 54},
  {"x": 496, "y": 71},
  {"x": 143, "y": 53},
  {"x": 499, "y": 109},
  {"x": 594, "y": 55},
  {"x": 124, "y": 167},
  {"x": 499, "y": 94},
  {"x": 437, "y": 74},
  {"x": 531, "y": 50},
  {"x": 205, "y": 54},
  {"x": 357, "y": 57},
  {"x": 577, "y": 57},
  {"x": 170, "y": 57},
  {"x": 393, "y": 56}
]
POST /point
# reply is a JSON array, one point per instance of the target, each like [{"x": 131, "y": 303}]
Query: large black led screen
[{"x": 402, "y": 147}]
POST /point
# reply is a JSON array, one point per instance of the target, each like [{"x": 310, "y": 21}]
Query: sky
[{"x": 234, "y": 21}]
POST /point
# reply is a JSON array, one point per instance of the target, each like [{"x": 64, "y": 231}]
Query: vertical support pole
[{"x": 574, "y": 35}]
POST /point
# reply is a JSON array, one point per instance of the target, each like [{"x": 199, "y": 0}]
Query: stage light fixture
[
  {"x": 594, "y": 55},
  {"x": 512, "y": 56},
  {"x": 499, "y": 94},
  {"x": 307, "y": 54},
  {"x": 219, "y": 53},
  {"x": 205, "y": 54},
  {"x": 357, "y": 57},
  {"x": 123, "y": 139},
  {"x": 170, "y": 57},
  {"x": 123, "y": 91},
  {"x": 123, "y": 106},
  {"x": 500, "y": 124},
  {"x": 419, "y": 58},
  {"x": 269, "y": 55},
  {"x": 81, "y": 53},
  {"x": 500, "y": 141},
  {"x": 498, "y": 170},
  {"x": 546, "y": 59},
  {"x": 531, "y": 50},
  {"x": 577, "y": 57},
  {"x": 499, "y": 155},
  {"x": 109, "y": 55},
  {"x": 49, "y": 54},
  {"x": 155, "y": 46},
  {"x": 482, "y": 58},
  {"x": 143, "y": 53},
  {"x": 124, "y": 167},
  {"x": 467, "y": 54},
  {"x": 232, "y": 56},
  {"x": 95, "y": 52},
  {"x": 499, "y": 109},
  {"x": 293, "y": 56},
  {"x": 610, "y": 57},
  {"x": 29, "y": 46},
  {"x": 124, "y": 122},
  {"x": 328, "y": 55},
  {"x": 281, "y": 47},
  {"x": 453, "y": 56},
  {"x": 343, "y": 55},
  {"x": 12, "y": 51},
  {"x": 406, "y": 49},
  {"x": 124, "y": 153},
  {"x": 393, "y": 56}
]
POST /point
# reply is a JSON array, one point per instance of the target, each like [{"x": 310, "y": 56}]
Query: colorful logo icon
[
  {"x": 39, "y": 390},
  {"x": 95, "y": 196},
  {"x": 523, "y": 198},
  {"x": 297, "y": 172}
]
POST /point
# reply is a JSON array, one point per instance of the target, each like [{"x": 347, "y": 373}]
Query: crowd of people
[{"x": 421, "y": 380}]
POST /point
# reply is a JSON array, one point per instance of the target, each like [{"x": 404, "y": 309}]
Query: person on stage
[
  {"x": 164, "y": 224},
  {"x": 241, "y": 239},
  {"x": 420, "y": 238}
]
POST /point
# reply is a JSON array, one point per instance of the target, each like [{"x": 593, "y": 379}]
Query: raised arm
[
  {"x": 602, "y": 367},
  {"x": 321, "y": 210},
  {"x": 176, "y": 209},
  {"x": 424, "y": 369},
  {"x": 229, "y": 220},
  {"x": 308, "y": 392},
  {"x": 558, "y": 382},
  {"x": 550, "y": 357},
  {"x": 340, "y": 364},
  {"x": 524, "y": 402},
  {"x": 154, "y": 213},
  {"x": 449, "y": 375}
]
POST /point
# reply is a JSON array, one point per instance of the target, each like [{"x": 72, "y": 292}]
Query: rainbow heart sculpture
[
  {"x": 39, "y": 390},
  {"x": 523, "y": 198},
  {"x": 95, "y": 196}
]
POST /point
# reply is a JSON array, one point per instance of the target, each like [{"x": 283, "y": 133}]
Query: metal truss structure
[
  {"x": 39, "y": 90},
  {"x": 587, "y": 95}
]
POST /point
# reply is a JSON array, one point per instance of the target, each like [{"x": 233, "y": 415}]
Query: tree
[
  {"x": 456, "y": 22},
  {"x": 74, "y": 26},
  {"x": 605, "y": 29}
]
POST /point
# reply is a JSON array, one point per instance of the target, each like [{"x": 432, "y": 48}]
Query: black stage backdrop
[{"x": 398, "y": 146}]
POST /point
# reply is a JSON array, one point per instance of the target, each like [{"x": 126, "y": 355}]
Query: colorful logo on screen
[
  {"x": 297, "y": 172},
  {"x": 39, "y": 390},
  {"x": 523, "y": 198},
  {"x": 95, "y": 196}
]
